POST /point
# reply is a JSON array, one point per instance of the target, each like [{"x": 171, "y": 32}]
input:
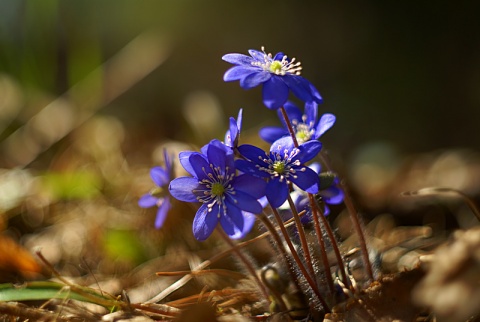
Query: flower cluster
[{"x": 227, "y": 179}]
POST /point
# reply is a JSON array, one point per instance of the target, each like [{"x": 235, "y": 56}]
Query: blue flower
[
  {"x": 233, "y": 133},
  {"x": 158, "y": 196},
  {"x": 306, "y": 125},
  {"x": 224, "y": 195},
  {"x": 282, "y": 166},
  {"x": 328, "y": 194},
  {"x": 278, "y": 74}
]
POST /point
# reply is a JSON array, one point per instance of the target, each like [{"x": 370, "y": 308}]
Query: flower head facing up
[
  {"x": 158, "y": 196},
  {"x": 278, "y": 74},
  {"x": 224, "y": 195},
  {"x": 284, "y": 164},
  {"x": 306, "y": 125}
]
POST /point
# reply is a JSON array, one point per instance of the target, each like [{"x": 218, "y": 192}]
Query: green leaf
[{"x": 53, "y": 290}]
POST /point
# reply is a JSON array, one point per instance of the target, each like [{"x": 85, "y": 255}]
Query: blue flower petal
[
  {"x": 147, "y": 201},
  {"x": 200, "y": 166},
  {"x": 252, "y": 153},
  {"x": 307, "y": 180},
  {"x": 299, "y": 87},
  {"x": 238, "y": 73},
  {"x": 233, "y": 217},
  {"x": 238, "y": 59},
  {"x": 204, "y": 222},
  {"x": 249, "y": 221},
  {"x": 293, "y": 113},
  {"x": 185, "y": 162},
  {"x": 311, "y": 111},
  {"x": 216, "y": 156},
  {"x": 257, "y": 55},
  {"x": 277, "y": 192},
  {"x": 252, "y": 185},
  {"x": 245, "y": 202},
  {"x": 274, "y": 92},
  {"x": 315, "y": 166},
  {"x": 272, "y": 133},
  {"x": 250, "y": 167},
  {"x": 182, "y": 188},
  {"x": 315, "y": 94},
  {"x": 282, "y": 144},
  {"x": 309, "y": 150},
  {"x": 325, "y": 123},
  {"x": 254, "y": 79},
  {"x": 332, "y": 195},
  {"x": 160, "y": 176},
  {"x": 162, "y": 213}
]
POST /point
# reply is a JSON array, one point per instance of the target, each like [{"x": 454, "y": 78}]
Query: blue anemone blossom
[
  {"x": 233, "y": 133},
  {"x": 307, "y": 126},
  {"x": 284, "y": 164},
  {"x": 224, "y": 195},
  {"x": 158, "y": 196},
  {"x": 278, "y": 74},
  {"x": 328, "y": 194}
]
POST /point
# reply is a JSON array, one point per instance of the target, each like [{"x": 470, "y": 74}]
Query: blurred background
[{"x": 90, "y": 91}]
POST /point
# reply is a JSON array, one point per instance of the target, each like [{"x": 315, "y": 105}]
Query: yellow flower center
[
  {"x": 279, "y": 167},
  {"x": 217, "y": 189}
]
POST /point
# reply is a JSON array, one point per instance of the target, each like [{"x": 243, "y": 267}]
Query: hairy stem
[{"x": 299, "y": 262}]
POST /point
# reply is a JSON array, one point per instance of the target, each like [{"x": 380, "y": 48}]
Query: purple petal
[
  {"x": 182, "y": 188},
  {"x": 315, "y": 94},
  {"x": 257, "y": 55},
  {"x": 239, "y": 120},
  {"x": 307, "y": 180},
  {"x": 204, "y": 222},
  {"x": 324, "y": 124},
  {"x": 277, "y": 192},
  {"x": 249, "y": 221},
  {"x": 216, "y": 156},
  {"x": 317, "y": 167},
  {"x": 233, "y": 218},
  {"x": 185, "y": 162},
  {"x": 147, "y": 201},
  {"x": 271, "y": 133},
  {"x": 299, "y": 86},
  {"x": 282, "y": 144},
  {"x": 200, "y": 166},
  {"x": 293, "y": 113},
  {"x": 160, "y": 176},
  {"x": 251, "y": 168},
  {"x": 278, "y": 56},
  {"x": 252, "y": 185},
  {"x": 254, "y": 79},
  {"x": 162, "y": 213},
  {"x": 245, "y": 202},
  {"x": 252, "y": 153},
  {"x": 275, "y": 92},
  {"x": 332, "y": 195},
  {"x": 237, "y": 59},
  {"x": 239, "y": 72},
  {"x": 309, "y": 150},
  {"x": 311, "y": 111}
]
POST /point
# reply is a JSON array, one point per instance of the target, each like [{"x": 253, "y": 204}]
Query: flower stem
[
  {"x": 321, "y": 242},
  {"x": 246, "y": 262},
  {"x": 299, "y": 262},
  {"x": 289, "y": 126},
  {"x": 341, "y": 265},
  {"x": 266, "y": 222},
  {"x": 354, "y": 217},
  {"x": 301, "y": 234}
]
